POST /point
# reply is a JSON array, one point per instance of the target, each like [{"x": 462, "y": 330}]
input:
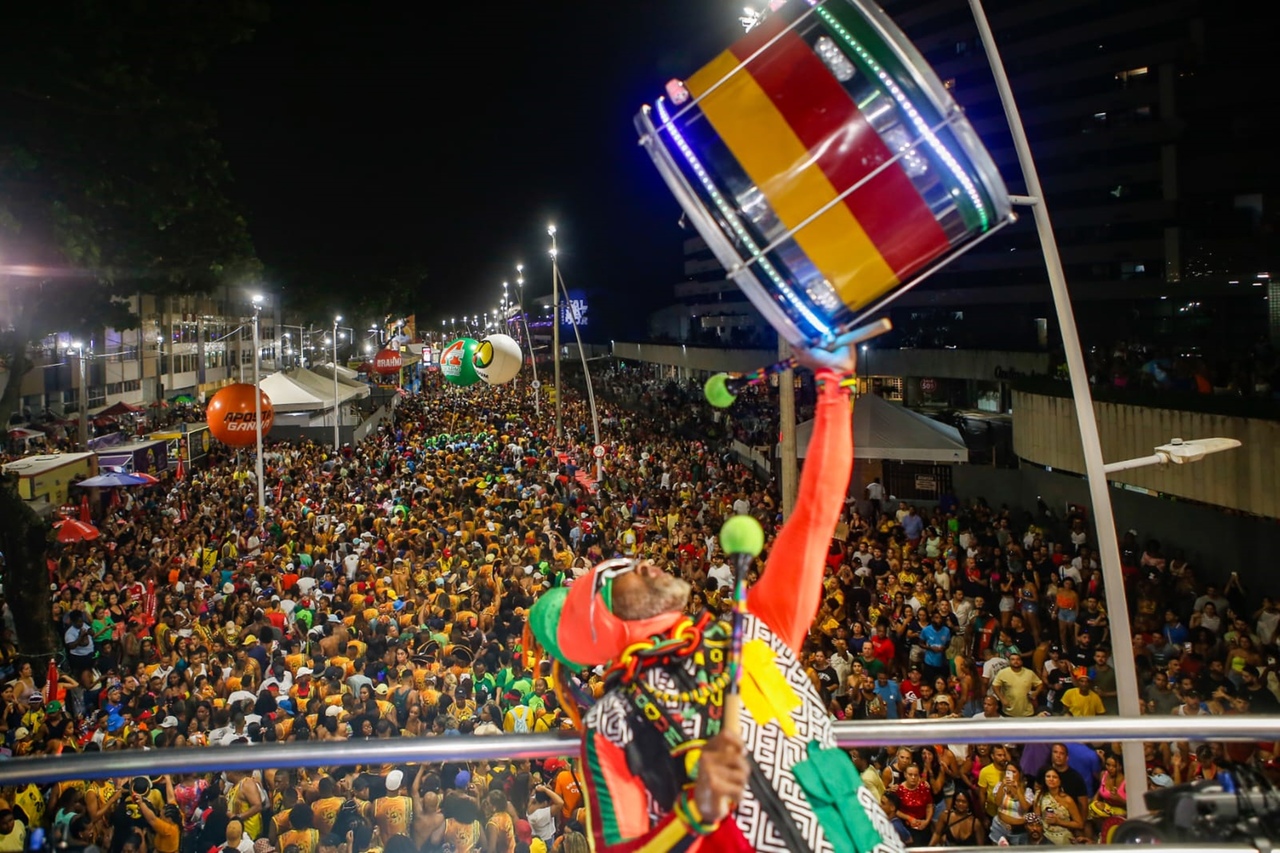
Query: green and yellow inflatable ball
[{"x": 498, "y": 359}]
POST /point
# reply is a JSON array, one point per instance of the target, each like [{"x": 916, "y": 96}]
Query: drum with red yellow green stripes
[{"x": 825, "y": 165}]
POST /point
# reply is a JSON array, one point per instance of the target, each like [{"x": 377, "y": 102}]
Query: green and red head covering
[{"x": 577, "y": 626}]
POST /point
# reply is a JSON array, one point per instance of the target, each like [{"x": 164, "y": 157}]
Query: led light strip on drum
[
  {"x": 905, "y": 104},
  {"x": 731, "y": 217}
]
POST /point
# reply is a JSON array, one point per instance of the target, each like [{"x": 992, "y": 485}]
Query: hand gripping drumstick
[
  {"x": 742, "y": 538},
  {"x": 723, "y": 388}
]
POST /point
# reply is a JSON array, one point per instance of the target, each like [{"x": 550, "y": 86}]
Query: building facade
[
  {"x": 184, "y": 345},
  {"x": 1152, "y": 151}
]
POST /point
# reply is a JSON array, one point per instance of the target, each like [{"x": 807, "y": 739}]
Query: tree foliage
[
  {"x": 112, "y": 182},
  {"x": 109, "y": 166}
]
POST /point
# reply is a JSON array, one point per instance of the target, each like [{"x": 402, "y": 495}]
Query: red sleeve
[{"x": 788, "y": 594}]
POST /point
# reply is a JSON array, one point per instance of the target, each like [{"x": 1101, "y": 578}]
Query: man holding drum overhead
[{"x": 659, "y": 772}]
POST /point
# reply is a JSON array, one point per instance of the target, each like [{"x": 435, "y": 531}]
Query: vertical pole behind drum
[
  {"x": 1095, "y": 468},
  {"x": 787, "y": 419}
]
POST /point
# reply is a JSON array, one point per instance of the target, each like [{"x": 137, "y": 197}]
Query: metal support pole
[
  {"x": 533, "y": 355},
  {"x": 1095, "y": 467},
  {"x": 555, "y": 332},
  {"x": 335, "y": 384},
  {"x": 1142, "y": 462},
  {"x": 257, "y": 421},
  {"x": 83, "y": 399},
  {"x": 586, "y": 372},
  {"x": 787, "y": 420},
  {"x": 533, "y": 362}
]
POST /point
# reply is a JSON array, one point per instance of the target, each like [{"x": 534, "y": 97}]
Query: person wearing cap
[
  {"x": 164, "y": 823},
  {"x": 393, "y": 813},
  {"x": 719, "y": 798}
]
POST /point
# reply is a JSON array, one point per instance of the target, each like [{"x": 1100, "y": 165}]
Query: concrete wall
[
  {"x": 1045, "y": 432},
  {"x": 940, "y": 364},
  {"x": 711, "y": 359},
  {"x": 318, "y": 434},
  {"x": 382, "y": 414},
  {"x": 1215, "y": 542},
  {"x": 989, "y": 365}
]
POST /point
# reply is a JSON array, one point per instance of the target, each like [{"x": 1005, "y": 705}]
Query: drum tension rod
[{"x": 1025, "y": 200}]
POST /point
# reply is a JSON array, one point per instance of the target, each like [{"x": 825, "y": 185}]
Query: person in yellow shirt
[
  {"x": 166, "y": 832},
  {"x": 343, "y": 663},
  {"x": 302, "y": 831},
  {"x": 393, "y": 814},
  {"x": 324, "y": 811},
  {"x": 1082, "y": 700}
]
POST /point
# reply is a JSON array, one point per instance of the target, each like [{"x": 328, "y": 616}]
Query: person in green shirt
[
  {"x": 102, "y": 626},
  {"x": 483, "y": 679}
]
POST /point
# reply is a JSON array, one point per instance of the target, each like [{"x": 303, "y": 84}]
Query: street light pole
[
  {"x": 257, "y": 414},
  {"x": 586, "y": 373},
  {"x": 555, "y": 329},
  {"x": 1095, "y": 468},
  {"x": 82, "y": 430},
  {"x": 159, "y": 373},
  {"x": 336, "y": 321},
  {"x": 533, "y": 356}
]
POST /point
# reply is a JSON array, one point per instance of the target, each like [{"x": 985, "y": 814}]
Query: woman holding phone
[{"x": 1012, "y": 807}]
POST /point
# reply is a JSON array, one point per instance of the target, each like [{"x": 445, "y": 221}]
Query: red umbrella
[
  {"x": 84, "y": 508},
  {"x": 73, "y": 530}
]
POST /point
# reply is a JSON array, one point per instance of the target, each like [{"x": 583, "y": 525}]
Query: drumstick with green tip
[
  {"x": 742, "y": 538},
  {"x": 723, "y": 388}
]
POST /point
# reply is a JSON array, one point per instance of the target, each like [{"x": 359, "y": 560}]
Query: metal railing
[{"x": 879, "y": 733}]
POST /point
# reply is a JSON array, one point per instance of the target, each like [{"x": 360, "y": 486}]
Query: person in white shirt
[
  {"x": 543, "y": 806},
  {"x": 742, "y": 506},
  {"x": 79, "y": 640},
  {"x": 990, "y": 709},
  {"x": 237, "y": 838},
  {"x": 1083, "y": 562},
  {"x": 350, "y": 563},
  {"x": 961, "y": 608},
  {"x": 721, "y": 573},
  {"x": 875, "y": 493},
  {"x": 842, "y": 662}
]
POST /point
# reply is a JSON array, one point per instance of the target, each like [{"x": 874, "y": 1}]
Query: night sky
[{"x": 365, "y": 138}]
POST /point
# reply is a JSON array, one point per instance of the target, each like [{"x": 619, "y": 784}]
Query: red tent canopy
[{"x": 119, "y": 409}]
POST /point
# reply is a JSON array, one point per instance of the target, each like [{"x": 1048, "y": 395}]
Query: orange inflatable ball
[{"x": 231, "y": 416}]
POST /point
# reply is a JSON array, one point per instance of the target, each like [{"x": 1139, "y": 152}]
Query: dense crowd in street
[{"x": 384, "y": 593}]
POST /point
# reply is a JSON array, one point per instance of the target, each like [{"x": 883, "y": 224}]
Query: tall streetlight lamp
[
  {"x": 336, "y": 321},
  {"x": 257, "y": 412},
  {"x": 586, "y": 375},
  {"x": 555, "y": 328},
  {"x": 533, "y": 357},
  {"x": 82, "y": 397},
  {"x": 159, "y": 372}
]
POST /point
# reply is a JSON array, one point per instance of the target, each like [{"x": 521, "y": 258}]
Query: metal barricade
[{"x": 879, "y": 733}]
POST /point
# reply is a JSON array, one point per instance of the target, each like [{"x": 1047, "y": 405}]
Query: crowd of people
[{"x": 383, "y": 594}]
